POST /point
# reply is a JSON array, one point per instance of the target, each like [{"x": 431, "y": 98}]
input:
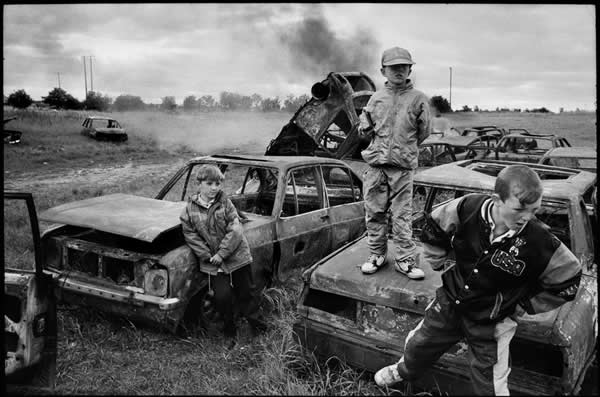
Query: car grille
[{"x": 96, "y": 260}]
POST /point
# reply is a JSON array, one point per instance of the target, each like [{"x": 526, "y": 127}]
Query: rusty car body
[
  {"x": 529, "y": 148},
  {"x": 327, "y": 124},
  {"x": 29, "y": 309},
  {"x": 441, "y": 150},
  {"x": 484, "y": 130},
  {"x": 364, "y": 319},
  {"x": 11, "y": 136},
  {"x": 126, "y": 254},
  {"x": 581, "y": 157},
  {"x": 103, "y": 129}
]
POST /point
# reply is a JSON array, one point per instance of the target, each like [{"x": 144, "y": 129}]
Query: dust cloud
[{"x": 206, "y": 133}]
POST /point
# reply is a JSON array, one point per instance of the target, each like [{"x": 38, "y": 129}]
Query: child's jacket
[{"x": 215, "y": 230}]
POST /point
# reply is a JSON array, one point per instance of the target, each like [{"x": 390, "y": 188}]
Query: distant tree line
[
  {"x": 58, "y": 98},
  {"x": 441, "y": 104}
]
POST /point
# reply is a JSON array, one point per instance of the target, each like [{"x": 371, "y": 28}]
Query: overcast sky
[{"x": 501, "y": 55}]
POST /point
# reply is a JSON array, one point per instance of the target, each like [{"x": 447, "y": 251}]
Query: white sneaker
[
  {"x": 388, "y": 376},
  {"x": 373, "y": 264},
  {"x": 408, "y": 267}
]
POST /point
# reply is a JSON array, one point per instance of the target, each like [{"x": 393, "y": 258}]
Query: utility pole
[
  {"x": 91, "y": 74},
  {"x": 450, "y": 87},
  {"x": 58, "y": 74},
  {"x": 85, "y": 77}
]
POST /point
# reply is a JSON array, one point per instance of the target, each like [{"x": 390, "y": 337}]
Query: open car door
[{"x": 29, "y": 301}]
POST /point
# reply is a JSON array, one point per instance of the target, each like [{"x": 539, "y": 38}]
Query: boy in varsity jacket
[{"x": 507, "y": 262}]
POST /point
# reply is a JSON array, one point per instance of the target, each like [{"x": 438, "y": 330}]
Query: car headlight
[{"x": 156, "y": 281}]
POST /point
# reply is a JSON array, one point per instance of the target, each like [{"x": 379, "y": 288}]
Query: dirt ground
[{"x": 100, "y": 176}]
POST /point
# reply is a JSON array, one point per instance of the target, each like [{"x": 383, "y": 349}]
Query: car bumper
[{"x": 123, "y": 295}]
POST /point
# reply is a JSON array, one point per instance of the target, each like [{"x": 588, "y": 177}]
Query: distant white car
[{"x": 103, "y": 129}]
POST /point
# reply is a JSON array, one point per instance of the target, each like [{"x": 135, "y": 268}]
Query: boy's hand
[{"x": 216, "y": 260}]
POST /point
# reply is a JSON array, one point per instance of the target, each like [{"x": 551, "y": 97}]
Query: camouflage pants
[{"x": 389, "y": 188}]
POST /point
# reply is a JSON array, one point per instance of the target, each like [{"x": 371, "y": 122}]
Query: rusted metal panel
[
  {"x": 449, "y": 373},
  {"x": 341, "y": 275},
  {"x": 123, "y": 214}
]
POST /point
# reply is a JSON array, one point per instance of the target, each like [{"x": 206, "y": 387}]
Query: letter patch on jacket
[{"x": 508, "y": 263}]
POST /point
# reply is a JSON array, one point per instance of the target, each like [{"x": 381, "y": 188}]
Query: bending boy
[{"x": 505, "y": 257}]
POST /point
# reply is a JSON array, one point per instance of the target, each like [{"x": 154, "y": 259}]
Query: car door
[
  {"x": 302, "y": 227},
  {"x": 86, "y": 127},
  {"x": 29, "y": 301},
  {"x": 343, "y": 193}
]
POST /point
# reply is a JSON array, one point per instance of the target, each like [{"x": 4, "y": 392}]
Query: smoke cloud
[{"x": 318, "y": 50}]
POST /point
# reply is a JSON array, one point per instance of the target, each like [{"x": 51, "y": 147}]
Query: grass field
[{"x": 98, "y": 354}]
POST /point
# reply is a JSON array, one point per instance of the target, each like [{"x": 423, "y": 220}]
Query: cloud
[{"x": 154, "y": 50}]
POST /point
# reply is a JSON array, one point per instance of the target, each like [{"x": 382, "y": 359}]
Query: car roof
[
  {"x": 100, "y": 118},
  {"x": 450, "y": 140},
  {"x": 573, "y": 151},
  {"x": 518, "y": 135},
  {"x": 559, "y": 182},
  {"x": 269, "y": 161}
]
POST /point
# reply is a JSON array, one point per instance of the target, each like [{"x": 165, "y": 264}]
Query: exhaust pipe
[{"x": 320, "y": 91}]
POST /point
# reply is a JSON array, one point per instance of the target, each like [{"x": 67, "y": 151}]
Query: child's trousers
[
  {"x": 388, "y": 187},
  {"x": 442, "y": 327},
  {"x": 242, "y": 293}
]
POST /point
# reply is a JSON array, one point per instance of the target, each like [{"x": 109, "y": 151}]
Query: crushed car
[
  {"x": 529, "y": 148},
  {"x": 484, "y": 130},
  {"x": 11, "y": 136},
  {"x": 441, "y": 150},
  {"x": 582, "y": 157},
  {"x": 364, "y": 319},
  {"x": 29, "y": 306},
  {"x": 126, "y": 254},
  {"x": 327, "y": 124},
  {"x": 103, "y": 129}
]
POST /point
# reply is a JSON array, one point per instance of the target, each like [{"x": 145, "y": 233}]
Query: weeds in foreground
[{"x": 103, "y": 354}]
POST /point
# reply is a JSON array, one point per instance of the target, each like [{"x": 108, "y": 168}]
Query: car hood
[{"x": 127, "y": 215}]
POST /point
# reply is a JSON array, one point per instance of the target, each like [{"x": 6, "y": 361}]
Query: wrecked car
[
  {"x": 441, "y": 150},
  {"x": 103, "y": 129},
  {"x": 498, "y": 132},
  {"x": 364, "y": 319},
  {"x": 572, "y": 157},
  {"x": 527, "y": 148},
  {"x": 327, "y": 124},
  {"x": 11, "y": 136},
  {"x": 126, "y": 254},
  {"x": 29, "y": 304}
]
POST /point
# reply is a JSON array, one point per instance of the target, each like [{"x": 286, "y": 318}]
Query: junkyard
[{"x": 104, "y": 292}]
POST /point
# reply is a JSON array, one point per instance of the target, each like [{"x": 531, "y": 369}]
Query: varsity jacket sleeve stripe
[
  {"x": 193, "y": 239},
  {"x": 235, "y": 232},
  {"x": 559, "y": 281},
  {"x": 446, "y": 216}
]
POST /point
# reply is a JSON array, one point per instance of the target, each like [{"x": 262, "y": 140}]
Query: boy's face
[
  {"x": 208, "y": 189},
  {"x": 512, "y": 213},
  {"x": 396, "y": 74}
]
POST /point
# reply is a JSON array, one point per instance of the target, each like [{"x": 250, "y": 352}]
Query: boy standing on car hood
[{"x": 401, "y": 121}]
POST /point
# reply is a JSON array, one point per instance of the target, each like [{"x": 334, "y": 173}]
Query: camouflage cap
[{"x": 396, "y": 56}]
